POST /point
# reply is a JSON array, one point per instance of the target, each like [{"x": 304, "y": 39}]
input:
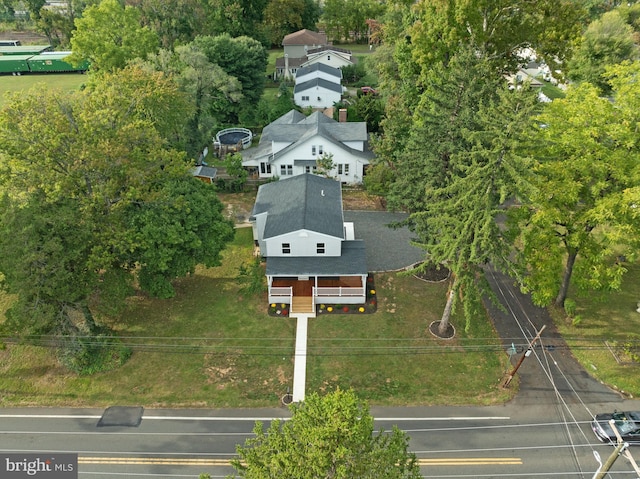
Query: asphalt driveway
[{"x": 387, "y": 249}]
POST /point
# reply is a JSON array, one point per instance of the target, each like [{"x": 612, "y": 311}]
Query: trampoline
[{"x": 234, "y": 137}]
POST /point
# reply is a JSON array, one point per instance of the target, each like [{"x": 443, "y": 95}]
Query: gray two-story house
[{"x": 312, "y": 256}]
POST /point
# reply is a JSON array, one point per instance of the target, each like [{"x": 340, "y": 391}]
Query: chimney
[
  {"x": 286, "y": 66},
  {"x": 342, "y": 115}
]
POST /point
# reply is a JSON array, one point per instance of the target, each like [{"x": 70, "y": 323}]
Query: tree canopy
[
  {"x": 580, "y": 216},
  {"x": 327, "y": 436},
  {"x": 99, "y": 198},
  {"x": 109, "y": 35},
  {"x": 607, "y": 41}
]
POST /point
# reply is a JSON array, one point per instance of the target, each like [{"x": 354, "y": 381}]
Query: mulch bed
[{"x": 433, "y": 273}]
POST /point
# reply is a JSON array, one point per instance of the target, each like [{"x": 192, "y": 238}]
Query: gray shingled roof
[
  {"x": 327, "y": 48},
  {"x": 352, "y": 261},
  {"x": 323, "y": 67},
  {"x": 293, "y": 62},
  {"x": 318, "y": 82},
  {"x": 204, "y": 171},
  {"x": 295, "y": 128},
  {"x": 305, "y": 201}
]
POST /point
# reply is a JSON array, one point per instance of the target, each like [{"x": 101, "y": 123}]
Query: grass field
[
  {"x": 66, "y": 82},
  {"x": 212, "y": 346},
  {"x": 608, "y": 328}
]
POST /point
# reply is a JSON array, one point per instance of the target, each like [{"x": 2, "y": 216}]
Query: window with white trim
[
  {"x": 305, "y": 97},
  {"x": 313, "y": 150},
  {"x": 286, "y": 170},
  {"x": 320, "y": 248},
  {"x": 286, "y": 248}
]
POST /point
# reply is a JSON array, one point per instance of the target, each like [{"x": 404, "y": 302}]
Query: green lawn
[
  {"x": 10, "y": 83},
  {"x": 212, "y": 346},
  {"x": 608, "y": 326}
]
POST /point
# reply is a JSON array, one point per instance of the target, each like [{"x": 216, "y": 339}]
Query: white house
[
  {"x": 304, "y": 48},
  {"x": 311, "y": 254},
  {"x": 329, "y": 55},
  {"x": 318, "y": 86},
  {"x": 317, "y": 93},
  {"x": 293, "y": 144}
]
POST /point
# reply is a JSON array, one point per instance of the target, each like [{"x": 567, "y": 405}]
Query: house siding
[
  {"x": 303, "y": 243},
  {"x": 316, "y": 97}
]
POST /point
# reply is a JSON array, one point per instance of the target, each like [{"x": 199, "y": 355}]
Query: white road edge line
[{"x": 219, "y": 418}]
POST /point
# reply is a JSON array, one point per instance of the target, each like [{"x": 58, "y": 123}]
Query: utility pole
[
  {"x": 526, "y": 353},
  {"x": 620, "y": 446}
]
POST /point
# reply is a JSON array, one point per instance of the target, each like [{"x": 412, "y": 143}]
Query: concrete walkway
[{"x": 300, "y": 358}]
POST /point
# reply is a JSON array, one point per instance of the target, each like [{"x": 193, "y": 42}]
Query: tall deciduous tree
[
  {"x": 109, "y": 35},
  {"x": 98, "y": 198},
  {"x": 242, "y": 58},
  {"x": 581, "y": 213},
  {"x": 175, "y": 21},
  {"x": 606, "y": 42},
  {"x": 330, "y": 436}
]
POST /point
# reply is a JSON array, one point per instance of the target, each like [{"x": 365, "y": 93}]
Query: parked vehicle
[
  {"x": 627, "y": 423},
  {"x": 367, "y": 90},
  {"x": 9, "y": 43}
]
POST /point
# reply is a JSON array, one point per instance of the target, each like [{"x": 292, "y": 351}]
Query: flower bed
[
  {"x": 370, "y": 306},
  {"x": 279, "y": 309}
]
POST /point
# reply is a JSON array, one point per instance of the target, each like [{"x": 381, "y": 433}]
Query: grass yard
[
  {"x": 10, "y": 83},
  {"x": 608, "y": 327},
  {"x": 211, "y": 346}
]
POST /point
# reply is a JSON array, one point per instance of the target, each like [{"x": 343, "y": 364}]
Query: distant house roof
[
  {"x": 318, "y": 82},
  {"x": 293, "y": 62},
  {"x": 352, "y": 261},
  {"x": 303, "y": 202},
  {"x": 294, "y": 128},
  {"x": 305, "y": 37},
  {"x": 325, "y": 48},
  {"x": 319, "y": 67},
  {"x": 202, "y": 171}
]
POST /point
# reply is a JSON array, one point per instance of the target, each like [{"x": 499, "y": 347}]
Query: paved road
[{"x": 505, "y": 441}]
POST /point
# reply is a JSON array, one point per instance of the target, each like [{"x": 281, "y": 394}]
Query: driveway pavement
[
  {"x": 388, "y": 249},
  {"x": 551, "y": 371}
]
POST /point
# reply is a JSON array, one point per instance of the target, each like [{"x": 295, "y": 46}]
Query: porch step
[{"x": 302, "y": 304}]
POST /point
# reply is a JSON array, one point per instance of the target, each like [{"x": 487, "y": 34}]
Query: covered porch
[{"x": 304, "y": 282}]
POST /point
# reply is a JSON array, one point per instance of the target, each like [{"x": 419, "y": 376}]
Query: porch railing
[
  {"x": 281, "y": 294},
  {"x": 337, "y": 291}
]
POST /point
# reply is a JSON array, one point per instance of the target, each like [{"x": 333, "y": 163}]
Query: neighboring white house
[
  {"x": 317, "y": 93},
  {"x": 329, "y": 55},
  {"x": 311, "y": 254},
  {"x": 304, "y": 48},
  {"x": 318, "y": 86},
  {"x": 293, "y": 144}
]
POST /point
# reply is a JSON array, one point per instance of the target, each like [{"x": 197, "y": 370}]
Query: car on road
[
  {"x": 367, "y": 90},
  {"x": 626, "y": 422}
]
